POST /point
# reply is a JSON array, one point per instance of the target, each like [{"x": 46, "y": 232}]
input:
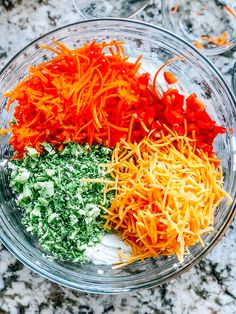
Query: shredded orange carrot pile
[
  {"x": 93, "y": 94},
  {"x": 83, "y": 95},
  {"x": 166, "y": 194}
]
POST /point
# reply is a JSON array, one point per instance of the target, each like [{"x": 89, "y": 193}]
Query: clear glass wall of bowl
[
  {"x": 195, "y": 21},
  {"x": 110, "y": 8},
  {"x": 234, "y": 78},
  {"x": 195, "y": 74},
  {"x": 202, "y": 23}
]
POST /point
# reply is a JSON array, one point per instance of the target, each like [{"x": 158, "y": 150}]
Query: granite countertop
[{"x": 208, "y": 288}]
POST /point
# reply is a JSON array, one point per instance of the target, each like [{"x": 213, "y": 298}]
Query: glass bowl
[
  {"x": 109, "y": 8},
  {"x": 195, "y": 74},
  {"x": 194, "y": 20},
  {"x": 234, "y": 78}
]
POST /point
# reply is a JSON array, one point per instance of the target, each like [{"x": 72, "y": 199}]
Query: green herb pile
[{"x": 59, "y": 209}]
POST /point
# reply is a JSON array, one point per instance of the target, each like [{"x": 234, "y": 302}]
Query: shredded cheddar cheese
[
  {"x": 167, "y": 191},
  {"x": 4, "y": 131}
]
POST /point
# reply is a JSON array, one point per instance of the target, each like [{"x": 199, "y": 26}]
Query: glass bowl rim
[
  {"x": 110, "y": 290},
  {"x": 207, "y": 51},
  {"x": 87, "y": 17},
  {"x": 234, "y": 78}
]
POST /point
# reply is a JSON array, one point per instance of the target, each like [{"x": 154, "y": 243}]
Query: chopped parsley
[{"x": 59, "y": 209}]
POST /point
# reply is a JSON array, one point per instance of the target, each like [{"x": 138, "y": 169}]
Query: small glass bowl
[
  {"x": 195, "y": 74},
  {"x": 198, "y": 20},
  {"x": 234, "y": 78},
  {"x": 109, "y": 8}
]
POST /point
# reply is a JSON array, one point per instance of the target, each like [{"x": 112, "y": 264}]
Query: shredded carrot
[
  {"x": 198, "y": 44},
  {"x": 4, "y": 131},
  {"x": 85, "y": 95},
  {"x": 202, "y": 8},
  {"x": 175, "y": 8},
  {"x": 81, "y": 95},
  {"x": 230, "y": 11},
  {"x": 160, "y": 68},
  {"x": 218, "y": 41},
  {"x": 165, "y": 197}
]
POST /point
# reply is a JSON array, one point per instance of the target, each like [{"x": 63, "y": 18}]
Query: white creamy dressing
[{"x": 106, "y": 251}]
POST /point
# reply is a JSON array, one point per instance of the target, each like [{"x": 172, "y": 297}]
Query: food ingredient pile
[
  {"x": 60, "y": 210},
  {"x": 97, "y": 150}
]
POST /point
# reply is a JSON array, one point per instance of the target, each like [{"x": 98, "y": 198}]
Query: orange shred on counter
[
  {"x": 175, "y": 8},
  {"x": 166, "y": 193},
  {"x": 230, "y": 11},
  {"x": 202, "y": 8}
]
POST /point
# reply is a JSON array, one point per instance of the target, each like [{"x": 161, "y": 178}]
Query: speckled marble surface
[{"x": 208, "y": 288}]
